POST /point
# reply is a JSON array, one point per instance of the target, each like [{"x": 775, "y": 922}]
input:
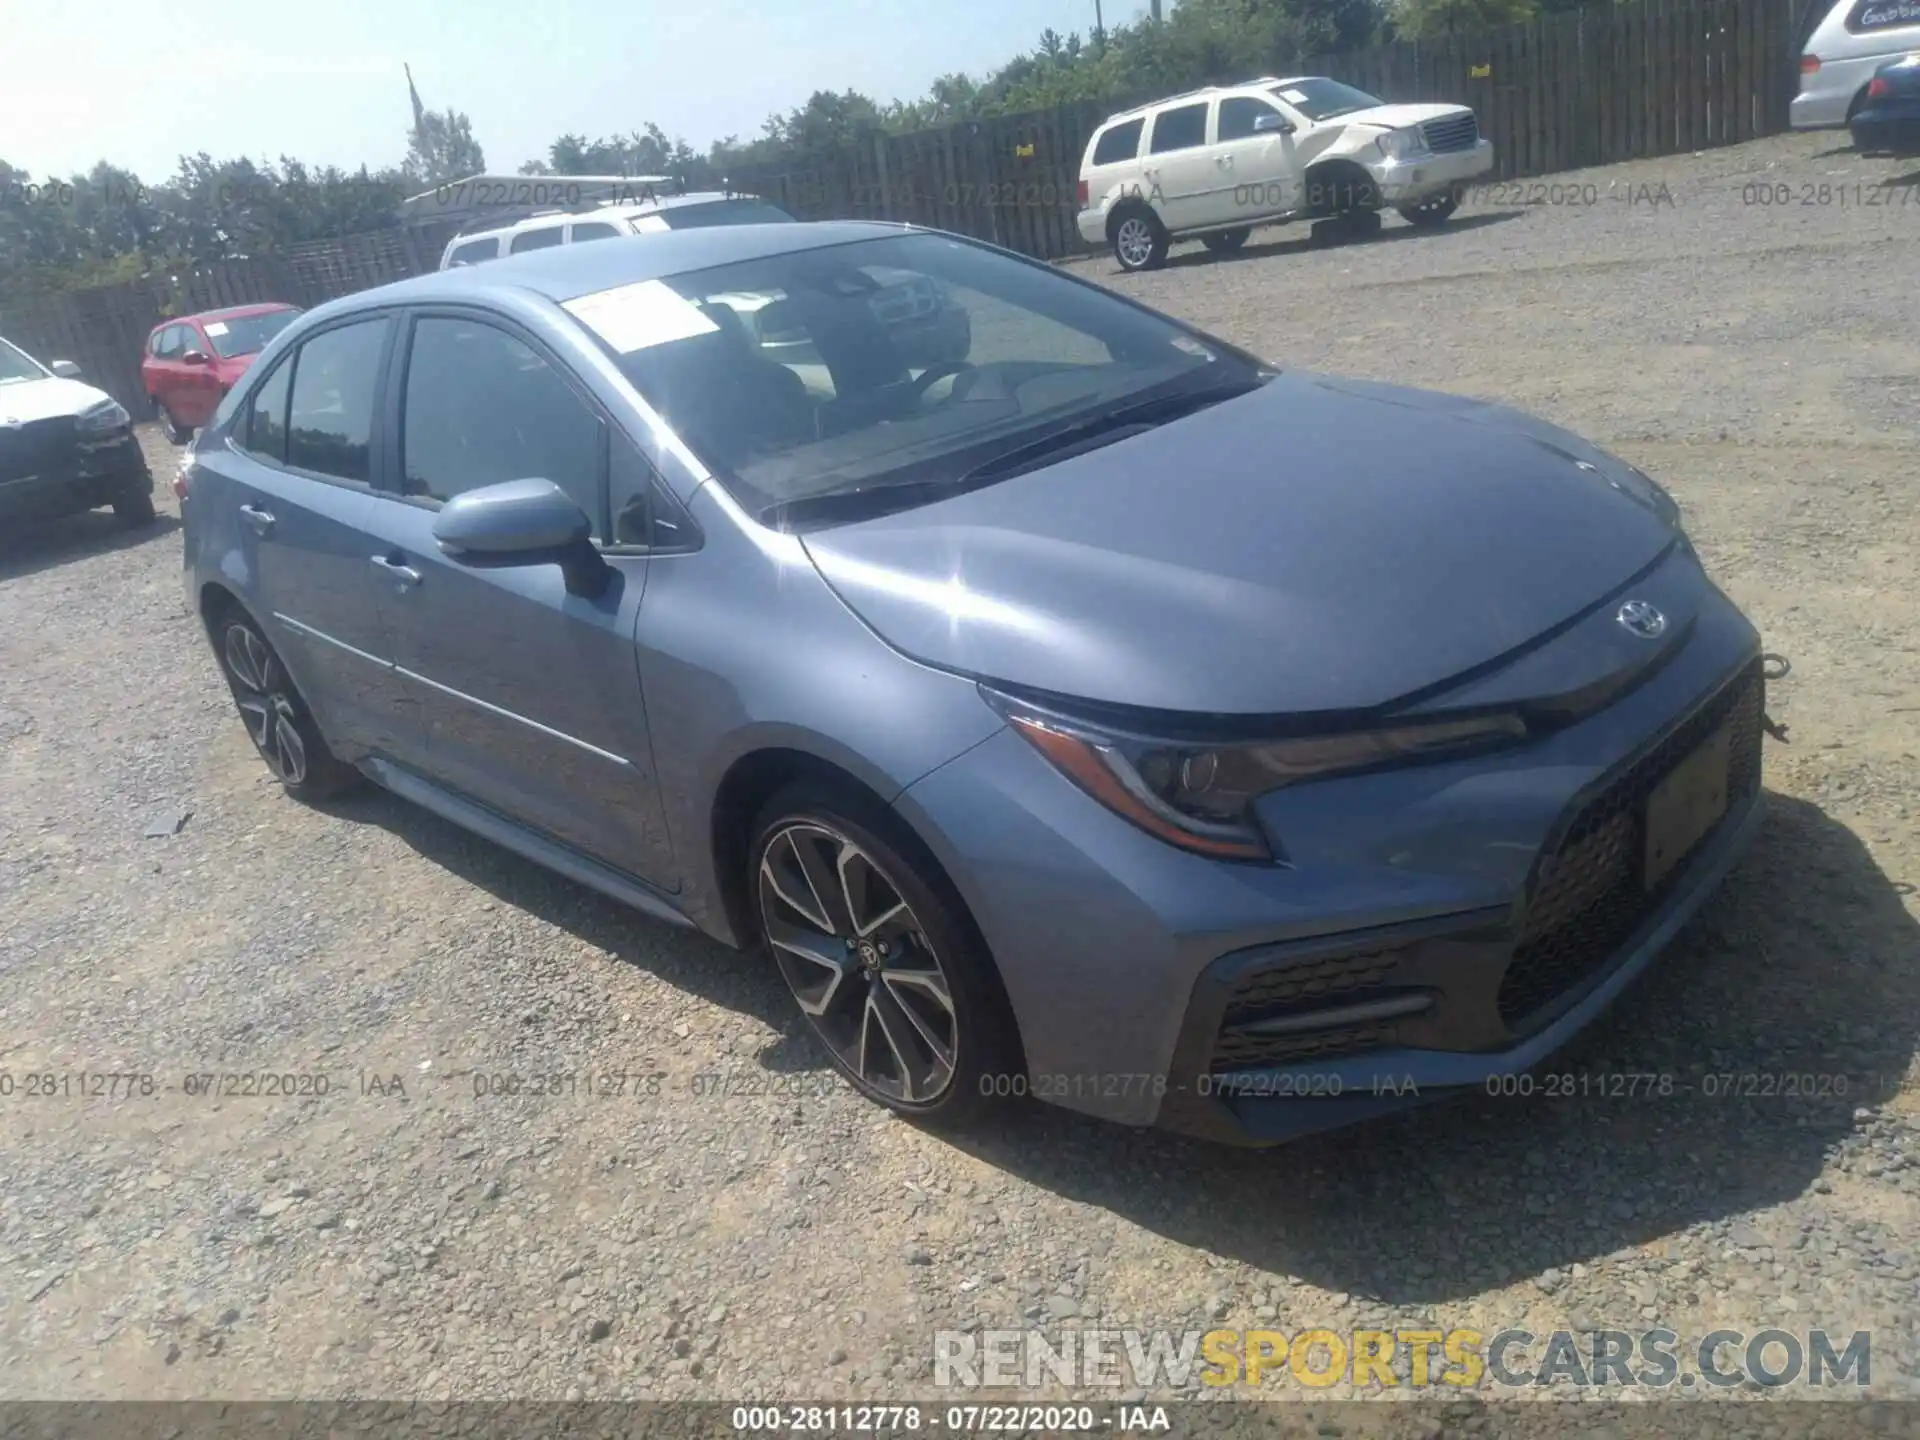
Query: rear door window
[
  {"x": 536, "y": 239},
  {"x": 1872, "y": 15},
  {"x": 1181, "y": 128},
  {"x": 330, "y": 416},
  {"x": 1120, "y": 142},
  {"x": 474, "y": 251}
]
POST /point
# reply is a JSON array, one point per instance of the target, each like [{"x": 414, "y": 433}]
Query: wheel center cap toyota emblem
[{"x": 1642, "y": 618}]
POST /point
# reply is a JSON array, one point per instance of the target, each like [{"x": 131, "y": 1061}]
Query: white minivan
[{"x": 1856, "y": 38}]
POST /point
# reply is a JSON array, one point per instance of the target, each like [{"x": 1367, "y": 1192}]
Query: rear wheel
[
  {"x": 1431, "y": 214},
  {"x": 873, "y": 945},
  {"x": 1225, "y": 242},
  {"x": 276, "y": 716},
  {"x": 1139, "y": 239},
  {"x": 134, "y": 508}
]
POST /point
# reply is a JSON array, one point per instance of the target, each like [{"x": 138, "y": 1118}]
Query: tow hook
[{"x": 1774, "y": 667}]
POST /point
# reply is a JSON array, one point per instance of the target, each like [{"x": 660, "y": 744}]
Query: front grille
[
  {"x": 1290, "y": 989},
  {"x": 1588, "y": 897},
  {"x": 39, "y": 447},
  {"x": 1451, "y": 132}
]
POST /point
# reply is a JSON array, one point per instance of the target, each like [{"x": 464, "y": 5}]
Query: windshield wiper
[{"x": 1103, "y": 428}]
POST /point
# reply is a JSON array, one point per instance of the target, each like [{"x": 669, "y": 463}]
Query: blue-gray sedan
[{"x": 1102, "y": 714}]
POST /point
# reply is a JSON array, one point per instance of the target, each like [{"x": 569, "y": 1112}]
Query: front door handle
[
  {"x": 405, "y": 577},
  {"x": 260, "y": 520}
]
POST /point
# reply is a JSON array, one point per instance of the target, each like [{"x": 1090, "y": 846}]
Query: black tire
[
  {"x": 135, "y": 508},
  {"x": 1431, "y": 215},
  {"x": 1225, "y": 242},
  {"x": 274, "y": 712},
  {"x": 944, "y": 992},
  {"x": 1138, "y": 238},
  {"x": 176, "y": 432}
]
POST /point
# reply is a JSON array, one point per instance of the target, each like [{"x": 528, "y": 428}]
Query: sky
[{"x": 142, "y": 84}]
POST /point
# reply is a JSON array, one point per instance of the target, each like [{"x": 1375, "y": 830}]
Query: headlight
[
  {"x": 1401, "y": 144},
  {"x": 1200, "y": 796},
  {"x": 107, "y": 416}
]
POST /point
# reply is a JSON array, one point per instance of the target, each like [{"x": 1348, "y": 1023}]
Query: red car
[{"x": 192, "y": 361}]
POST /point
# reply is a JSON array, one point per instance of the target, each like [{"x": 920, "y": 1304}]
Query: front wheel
[
  {"x": 1140, "y": 241},
  {"x": 1225, "y": 242},
  {"x": 886, "y": 972},
  {"x": 1431, "y": 213},
  {"x": 176, "y": 432}
]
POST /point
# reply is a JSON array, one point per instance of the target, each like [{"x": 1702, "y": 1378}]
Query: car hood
[
  {"x": 28, "y": 400},
  {"x": 1319, "y": 544},
  {"x": 1396, "y": 117}
]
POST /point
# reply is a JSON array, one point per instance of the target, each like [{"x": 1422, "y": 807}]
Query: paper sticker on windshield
[
  {"x": 1294, "y": 97},
  {"x": 635, "y": 317},
  {"x": 1193, "y": 347},
  {"x": 215, "y": 327}
]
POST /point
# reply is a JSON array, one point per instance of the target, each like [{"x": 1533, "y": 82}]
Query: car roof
[
  {"x": 565, "y": 272},
  {"x": 624, "y": 210},
  {"x": 231, "y": 312},
  {"x": 1264, "y": 82}
]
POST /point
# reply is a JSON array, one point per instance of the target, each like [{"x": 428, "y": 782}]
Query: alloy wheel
[
  {"x": 859, "y": 963},
  {"x": 267, "y": 706},
  {"x": 1134, "y": 241}
]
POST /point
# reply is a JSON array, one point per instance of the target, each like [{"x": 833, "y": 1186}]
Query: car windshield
[
  {"x": 906, "y": 363},
  {"x": 1321, "y": 99},
  {"x": 724, "y": 212},
  {"x": 16, "y": 365},
  {"x": 246, "y": 334}
]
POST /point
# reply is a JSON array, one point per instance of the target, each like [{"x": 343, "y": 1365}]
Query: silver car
[
  {"x": 1856, "y": 38},
  {"x": 1105, "y": 715}
]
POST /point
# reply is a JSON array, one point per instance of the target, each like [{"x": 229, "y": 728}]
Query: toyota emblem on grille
[{"x": 1642, "y": 618}]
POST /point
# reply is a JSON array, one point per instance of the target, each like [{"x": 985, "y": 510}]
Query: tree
[
  {"x": 1418, "y": 19},
  {"x": 440, "y": 146}
]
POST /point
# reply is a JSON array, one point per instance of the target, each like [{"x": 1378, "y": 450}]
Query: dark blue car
[{"x": 1888, "y": 120}]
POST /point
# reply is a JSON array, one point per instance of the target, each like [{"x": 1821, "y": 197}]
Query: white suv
[
  {"x": 668, "y": 212},
  {"x": 1214, "y": 163}
]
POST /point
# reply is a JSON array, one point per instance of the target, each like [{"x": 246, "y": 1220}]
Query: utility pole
[
  {"x": 1099, "y": 26},
  {"x": 1156, "y": 11}
]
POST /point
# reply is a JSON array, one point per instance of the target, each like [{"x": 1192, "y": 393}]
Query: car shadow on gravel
[
  {"x": 1806, "y": 964},
  {"x": 28, "y": 549},
  {"x": 685, "y": 959},
  {"x": 1299, "y": 242}
]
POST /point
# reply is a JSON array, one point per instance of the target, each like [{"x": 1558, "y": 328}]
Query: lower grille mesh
[{"x": 1588, "y": 898}]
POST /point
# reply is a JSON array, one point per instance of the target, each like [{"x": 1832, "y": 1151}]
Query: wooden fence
[
  {"x": 1588, "y": 87},
  {"x": 104, "y": 330}
]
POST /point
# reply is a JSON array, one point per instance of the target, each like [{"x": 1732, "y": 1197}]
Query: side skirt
[{"x": 530, "y": 844}]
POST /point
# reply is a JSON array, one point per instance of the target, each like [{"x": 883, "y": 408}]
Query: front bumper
[
  {"x": 1123, "y": 957},
  {"x": 1426, "y": 176},
  {"x": 80, "y": 477}
]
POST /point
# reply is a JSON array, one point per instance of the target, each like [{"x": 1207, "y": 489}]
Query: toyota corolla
[{"x": 1105, "y": 714}]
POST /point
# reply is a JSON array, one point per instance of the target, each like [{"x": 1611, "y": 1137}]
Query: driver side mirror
[
  {"x": 524, "y": 522},
  {"x": 194, "y": 357},
  {"x": 65, "y": 369},
  {"x": 1273, "y": 125}
]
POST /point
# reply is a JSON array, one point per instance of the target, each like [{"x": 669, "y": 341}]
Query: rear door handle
[
  {"x": 260, "y": 520},
  {"x": 405, "y": 577}
]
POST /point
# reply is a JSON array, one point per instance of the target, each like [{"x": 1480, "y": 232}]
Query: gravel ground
[{"x": 396, "y": 1237}]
